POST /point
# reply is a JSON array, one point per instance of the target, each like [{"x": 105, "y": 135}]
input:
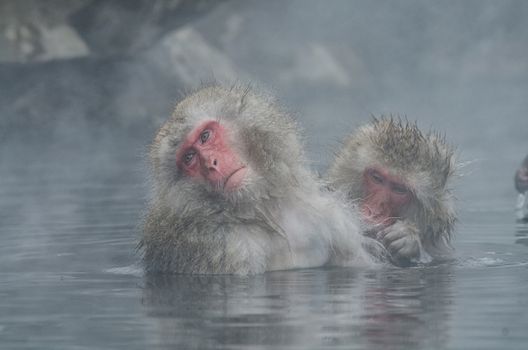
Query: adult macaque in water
[
  {"x": 232, "y": 194},
  {"x": 399, "y": 179}
]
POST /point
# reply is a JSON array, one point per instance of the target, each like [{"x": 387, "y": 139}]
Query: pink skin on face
[
  {"x": 206, "y": 155},
  {"x": 385, "y": 197}
]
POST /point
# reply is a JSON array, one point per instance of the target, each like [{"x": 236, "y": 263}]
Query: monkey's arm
[{"x": 402, "y": 240}]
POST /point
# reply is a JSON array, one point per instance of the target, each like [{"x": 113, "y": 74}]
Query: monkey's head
[
  {"x": 226, "y": 144},
  {"x": 396, "y": 171}
]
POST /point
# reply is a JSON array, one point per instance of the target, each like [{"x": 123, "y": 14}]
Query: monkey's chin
[
  {"x": 235, "y": 180},
  {"x": 377, "y": 223}
]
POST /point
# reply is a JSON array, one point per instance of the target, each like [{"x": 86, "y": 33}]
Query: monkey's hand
[{"x": 402, "y": 240}]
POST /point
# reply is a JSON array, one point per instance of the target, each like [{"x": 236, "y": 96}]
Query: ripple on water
[{"x": 132, "y": 270}]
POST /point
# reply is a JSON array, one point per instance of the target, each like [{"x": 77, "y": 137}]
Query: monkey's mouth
[
  {"x": 378, "y": 219},
  {"x": 235, "y": 179}
]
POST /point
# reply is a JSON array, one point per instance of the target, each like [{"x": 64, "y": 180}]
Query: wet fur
[
  {"x": 279, "y": 219},
  {"x": 425, "y": 161}
]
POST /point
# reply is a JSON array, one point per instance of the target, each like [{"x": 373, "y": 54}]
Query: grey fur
[
  {"x": 275, "y": 221},
  {"x": 425, "y": 161}
]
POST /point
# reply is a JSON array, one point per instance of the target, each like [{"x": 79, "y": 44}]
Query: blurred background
[{"x": 95, "y": 76}]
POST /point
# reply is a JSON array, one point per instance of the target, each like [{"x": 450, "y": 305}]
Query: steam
[{"x": 89, "y": 120}]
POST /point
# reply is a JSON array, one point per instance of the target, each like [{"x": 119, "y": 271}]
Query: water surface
[{"x": 69, "y": 277}]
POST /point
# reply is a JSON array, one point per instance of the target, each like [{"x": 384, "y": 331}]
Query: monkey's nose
[{"x": 213, "y": 164}]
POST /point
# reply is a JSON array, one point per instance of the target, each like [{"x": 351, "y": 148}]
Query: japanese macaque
[
  {"x": 399, "y": 178},
  {"x": 521, "y": 185},
  {"x": 521, "y": 177},
  {"x": 232, "y": 193}
]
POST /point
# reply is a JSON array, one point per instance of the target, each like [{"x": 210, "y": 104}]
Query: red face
[
  {"x": 385, "y": 197},
  {"x": 206, "y": 155}
]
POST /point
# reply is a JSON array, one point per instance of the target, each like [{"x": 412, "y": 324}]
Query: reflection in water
[
  {"x": 409, "y": 308},
  {"x": 521, "y": 211},
  {"x": 521, "y": 232},
  {"x": 396, "y": 308},
  {"x": 521, "y": 208}
]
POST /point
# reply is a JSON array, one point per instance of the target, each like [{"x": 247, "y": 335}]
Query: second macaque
[{"x": 399, "y": 178}]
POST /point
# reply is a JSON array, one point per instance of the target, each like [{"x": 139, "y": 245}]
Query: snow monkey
[
  {"x": 232, "y": 193},
  {"x": 399, "y": 178},
  {"x": 521, "y": 177}
]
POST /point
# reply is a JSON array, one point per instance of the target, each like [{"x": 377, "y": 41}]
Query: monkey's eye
[
  {"x": 204, "y": 136},
  {"x": 376, "y": 177},
  {"x": 188, "y": 157},
  {"x": 399, "y": 189}
]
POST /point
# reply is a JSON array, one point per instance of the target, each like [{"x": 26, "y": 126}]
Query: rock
[{"x": 35, "y": 31}]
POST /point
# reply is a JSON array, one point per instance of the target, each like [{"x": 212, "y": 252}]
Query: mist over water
[{"x": 76, "y": 119}]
